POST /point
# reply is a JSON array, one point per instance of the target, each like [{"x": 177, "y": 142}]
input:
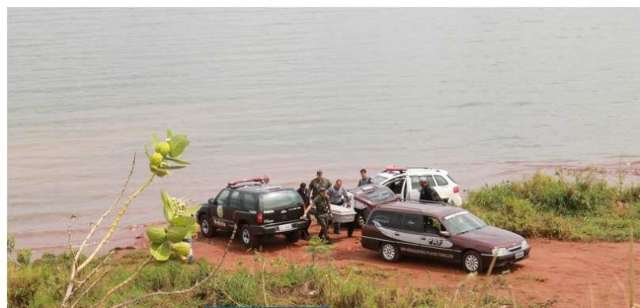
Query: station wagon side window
[
  {"x": 432, "y": 225},
  {"x": 235, "y": 201},
  {"x": 441, "y": 180},
  {"x": 385, "y": 219},
  {"x": 415, "y": 181},
  {"x": 413, "y": 223},
  {"x": 221, "y": 200}
]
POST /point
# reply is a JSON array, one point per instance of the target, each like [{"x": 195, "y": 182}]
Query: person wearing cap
[
  {"x": 322, "y": 212},
  {"x": 364, "y": 178},
  {"x": 427, "y": 193},
  {"x": 317, "y": 183}
]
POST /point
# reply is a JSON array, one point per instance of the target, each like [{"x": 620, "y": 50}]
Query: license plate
[
  {"x": 286, "y": 227},
  {"x": 519, "y": 254}
]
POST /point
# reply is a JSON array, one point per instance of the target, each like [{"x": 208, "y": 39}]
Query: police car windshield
[
  {"x": 463, "y": 222},
  {"x": 379, "y": 195},
  {"x": 280, "y": 199}
]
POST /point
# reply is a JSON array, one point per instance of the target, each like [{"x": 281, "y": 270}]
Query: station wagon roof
[{"x": 436, "y": 210}]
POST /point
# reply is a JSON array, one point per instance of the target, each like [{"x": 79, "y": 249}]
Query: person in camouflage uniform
[
  {"x": 323, "y": 212},
  {"x": 317, "y": 183}
]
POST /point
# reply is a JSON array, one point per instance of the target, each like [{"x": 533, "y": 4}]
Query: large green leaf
[
  {"x": 183, "y": 221},
  {"x": 156, "y": 235},
  {"x": 177, "y": 233},
  {"x": 182, "y": 249},
  {"x": 168, "y": 206},
  {"x": 178, "y": 144},
  {"x": 161, "y": 252}
]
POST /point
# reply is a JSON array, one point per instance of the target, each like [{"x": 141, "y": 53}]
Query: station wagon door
[{"x": 437, "y": 245}]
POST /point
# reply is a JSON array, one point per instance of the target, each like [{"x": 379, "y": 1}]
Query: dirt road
[{"x": 566, "y": 274}]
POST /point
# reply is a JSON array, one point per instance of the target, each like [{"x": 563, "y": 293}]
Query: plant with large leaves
[
  {"x": 165, "y": 157},
  {"x": 170, "y": 240}
]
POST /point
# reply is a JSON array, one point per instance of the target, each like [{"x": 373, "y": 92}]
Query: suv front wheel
[
  {"x": 206, "y": 227},
  {"x": 248, "y": 240}
]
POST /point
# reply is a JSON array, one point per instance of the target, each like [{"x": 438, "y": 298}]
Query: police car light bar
[
  {"x": 245, "y": 182},
  {"x": 394, "y": 168}
]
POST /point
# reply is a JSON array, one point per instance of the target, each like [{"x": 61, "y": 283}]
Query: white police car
[{"x": 405, "y": 182}]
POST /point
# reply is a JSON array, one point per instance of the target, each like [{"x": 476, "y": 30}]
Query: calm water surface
[{"x": 483, "y": 93}]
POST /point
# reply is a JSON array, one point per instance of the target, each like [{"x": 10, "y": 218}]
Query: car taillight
[
  {"x": 260, "y": 218},
  {"x": 456, "y": 189}
]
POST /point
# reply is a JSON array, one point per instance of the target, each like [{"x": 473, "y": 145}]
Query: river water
[{"x": 483, "y": 93}]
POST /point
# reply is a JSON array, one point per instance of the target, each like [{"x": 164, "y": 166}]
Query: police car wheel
[
  {"x": 389, "y": 252},
  {"x": 248, "y": 239},
  {"x": 471, "y": 262},
  {"x": 206, "y": 227}
]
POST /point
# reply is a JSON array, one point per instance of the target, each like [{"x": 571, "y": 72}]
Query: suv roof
[
  {"x": 434, "y": 209},
  {"x": 253, "y": 185}
]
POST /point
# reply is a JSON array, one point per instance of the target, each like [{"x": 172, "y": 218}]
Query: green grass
[
  {"x": 579, "y": 207},
  {"x": 41, "y": 284}
]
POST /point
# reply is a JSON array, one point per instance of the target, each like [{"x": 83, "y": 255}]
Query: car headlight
[
  {"x": 499, "y": 252},
  {"x": 524, "y": 244}
]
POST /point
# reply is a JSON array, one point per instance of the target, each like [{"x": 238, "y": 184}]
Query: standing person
[
  {"x": 303, "y": 191},
  {"x": 364, "y": 178},
  {"x": 323, "y": 212},
  {"x": 427, "y": 193},
  {"x": 317, "y": 183},
  {"x": 339, "y": 196}
]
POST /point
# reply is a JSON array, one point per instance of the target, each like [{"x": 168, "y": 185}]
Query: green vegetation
[
  {"x": 169, "y": 241},
  {"x": 42, "y": 283},
  {"x": 578, "y": 206}
]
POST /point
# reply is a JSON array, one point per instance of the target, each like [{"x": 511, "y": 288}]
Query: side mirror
[
  {"x": 445, "y": 233},
  {"x": 212, "y": 201}
]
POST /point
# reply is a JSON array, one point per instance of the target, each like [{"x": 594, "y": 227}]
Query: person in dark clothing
[
  {"x": 427, "y": 193},
  {"x": 303, "y": 191},
  {"x": 364, "y": 178}
]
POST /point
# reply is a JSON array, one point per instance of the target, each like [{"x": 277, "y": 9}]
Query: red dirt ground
[{"x": 567, "y": 274}]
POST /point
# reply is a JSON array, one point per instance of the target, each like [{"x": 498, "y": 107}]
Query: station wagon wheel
[
  {"x": 206, "y": 227},
  {"x": 389, "y": 252},
  {"x": 472, "y": 262}
]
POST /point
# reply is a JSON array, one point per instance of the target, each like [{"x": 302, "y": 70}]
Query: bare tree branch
[{"x": 120, "y": 285}]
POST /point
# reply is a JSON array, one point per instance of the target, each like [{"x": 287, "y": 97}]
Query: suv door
[
  {"x": 217, "y": 209},
  {"x": 443, "y": 186},
  {"x": 234, "y": 203}
]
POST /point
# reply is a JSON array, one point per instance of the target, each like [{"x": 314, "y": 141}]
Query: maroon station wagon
[
  {"x": 443, "y": 232},
  {"x": 368, "y": 197}
]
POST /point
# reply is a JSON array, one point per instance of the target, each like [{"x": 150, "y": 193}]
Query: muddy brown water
[{"x": 488, "y": 94}]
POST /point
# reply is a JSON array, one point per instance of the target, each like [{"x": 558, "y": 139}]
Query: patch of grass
[{"x": 565, "y": 207}]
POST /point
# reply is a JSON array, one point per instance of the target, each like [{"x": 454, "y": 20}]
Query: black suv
[{"x": 258, "y": 210}]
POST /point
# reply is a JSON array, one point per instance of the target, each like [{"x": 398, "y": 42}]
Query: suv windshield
[
  {"x": 463, "y": 222},
  {"x": 379, "y": 195},
  {"x": 280, "y": 199}
]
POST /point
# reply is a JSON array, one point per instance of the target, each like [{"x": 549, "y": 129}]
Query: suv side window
[
  {"x": 415, "y": 181},
  {"x": 413, "y": 223},
  {"x": 441, "y": 180},
  {"x": 249, "y": 202},
  {"x": 385, "y": 219},
  {"x": 235, "y": 201},
  {"x": 221, "y": 199}
]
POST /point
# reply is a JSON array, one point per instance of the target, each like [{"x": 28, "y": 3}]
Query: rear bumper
[
  {"x": 506, "y": 260},
  {"x": 280, "y": 227}
]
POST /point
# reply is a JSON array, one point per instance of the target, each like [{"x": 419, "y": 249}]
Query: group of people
[
  {"x": 319, "y": 196},
  {"x": 321, "y": 193}
]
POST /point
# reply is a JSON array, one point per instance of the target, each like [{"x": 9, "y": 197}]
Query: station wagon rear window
[
  {"x": 379, "y": 195},
  {"x": 280, "y": 199}
]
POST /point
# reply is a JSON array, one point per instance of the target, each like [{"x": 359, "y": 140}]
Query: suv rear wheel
[
  {"x": 471, "y": 262},
  {"x": 248, "y": 240},
  {"x": 206, "y": 227},
  {"x": 389, "y": 252},
  {"x": 293, "y": 236}
]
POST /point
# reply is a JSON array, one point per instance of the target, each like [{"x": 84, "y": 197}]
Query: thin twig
[
  {"x": 74, "y": 265},
  {"x": 187, "y": 290},
  {"x": 120, "y": 285},
  {"x": 116, "y": 221},
  {"x": 95, "y": 269},
  {"x": 91, "y": 285}
]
